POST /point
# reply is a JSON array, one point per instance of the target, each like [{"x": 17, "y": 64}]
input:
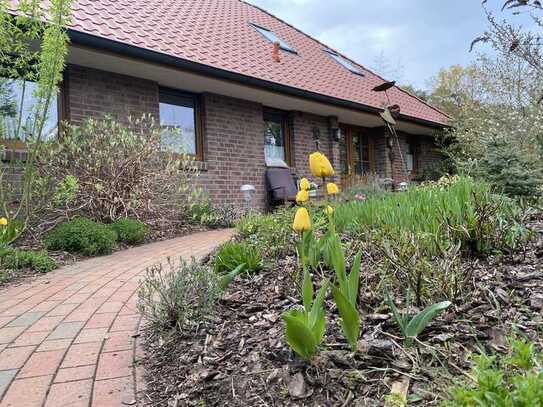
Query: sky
[{"x": 415, "y": 38}]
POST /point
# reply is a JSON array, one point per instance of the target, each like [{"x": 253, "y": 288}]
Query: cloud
[{"x": 424, "y": 35}]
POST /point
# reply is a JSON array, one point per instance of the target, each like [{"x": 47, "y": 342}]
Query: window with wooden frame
[
  {"x": 360, "y": 152},
  {"x": 18, "y": 111},
  {"x": 277, "y": 136},
  {"x": 411, "y": 155},
  {"x": 181, "y": 122}
]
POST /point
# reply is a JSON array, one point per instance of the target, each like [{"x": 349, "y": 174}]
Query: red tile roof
[{"x": 217, "y": 33}]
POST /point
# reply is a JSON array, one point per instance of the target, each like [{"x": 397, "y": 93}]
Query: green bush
[
  {"x": 232, "y": 254},
  {"x": 180, "y": 296},
  {"x": 510, "y": 169},
  {"x": 515, "y": 380},
  {"x": 12, "y": 259},
  {"x": 83, "y": 236},
  {"x": 131, "y": 231}
]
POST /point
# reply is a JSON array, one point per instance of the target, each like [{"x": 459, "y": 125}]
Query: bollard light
[{"x": 248, "y": 191}]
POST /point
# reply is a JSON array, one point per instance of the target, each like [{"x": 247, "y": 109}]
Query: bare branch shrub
[{"x": 108, "y": 170}]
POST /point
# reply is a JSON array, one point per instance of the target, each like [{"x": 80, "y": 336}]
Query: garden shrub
[
  {"x": 178, "y": 296},
  {"x": 81, "y": 235},
  {"x": 13, "y": 259},
  {"x": 515, "y": 380},
  {"x": 131, "y": 231},
  {"x": 121, "y": 170},
  {"x": 233, "y": 254},
  {"x": 510, "y": 169}
]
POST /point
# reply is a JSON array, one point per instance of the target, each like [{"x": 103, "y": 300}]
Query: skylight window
[
  {"x": 345, "y": 63},
  {"x": 273, "y": 38}
]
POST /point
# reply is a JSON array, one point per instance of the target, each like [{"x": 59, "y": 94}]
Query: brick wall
[
  {"x": 93, "y": 93},
  {"x": 233, "y": 150},
  {"x": 233, "y": 132},
  {"x": 304, "y": 125}
]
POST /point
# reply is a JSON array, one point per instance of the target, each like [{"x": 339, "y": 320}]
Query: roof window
[
  {"x": 344, "y": 62},
  {"x": 273, "y": 38}
]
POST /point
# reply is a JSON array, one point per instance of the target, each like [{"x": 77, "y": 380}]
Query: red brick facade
[
  {"x": 93, "y": 93},
  {"x": 233, "y": 132}
]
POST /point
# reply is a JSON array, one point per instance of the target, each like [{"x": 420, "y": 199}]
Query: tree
[
  {"x": 31, "y": 22},
  {"x": 504, "y": 36},
  {"x": 496, "y": 120}
]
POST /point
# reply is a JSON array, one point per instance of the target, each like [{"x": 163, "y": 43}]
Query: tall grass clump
[{"x": 420, "y": 235}]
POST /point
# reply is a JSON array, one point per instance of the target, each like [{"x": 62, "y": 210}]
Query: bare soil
[{"x": 240, "y": 357}]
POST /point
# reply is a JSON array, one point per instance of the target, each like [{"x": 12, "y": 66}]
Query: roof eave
[{"x": 104, "y": 44}]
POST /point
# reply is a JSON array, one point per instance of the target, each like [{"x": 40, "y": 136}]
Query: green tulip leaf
[
  {"x": 419, "y": 322},
  {"x": 350, "y": 320},
  {"x": 299, "y": 336}
]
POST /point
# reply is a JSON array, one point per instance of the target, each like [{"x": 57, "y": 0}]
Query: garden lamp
[{"x": 248, "y": 191}]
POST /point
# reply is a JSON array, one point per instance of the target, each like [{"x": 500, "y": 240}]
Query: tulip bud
[
  {"x": 332, "y": 188},
  {"x": 320, "y": 166},
  {"x": 302, "y": 196},
  {"x": 304, "y": 184},
  {"x": 301, "y": 221}
]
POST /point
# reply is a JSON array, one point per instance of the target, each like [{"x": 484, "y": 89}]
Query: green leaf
[
  {"x": 317, "y": 305},
  {"x": 225, "y": 280},
  {"x": 350, "y": 320},
  {"x": 400, "y": 320},
  {"x": 418, "y": 323},
  {"x": 307, "y": 290},
  {"x": 300, "y": 338},
  {"x": 319, "y": 326},
  {"x": 354, "y": 279}
]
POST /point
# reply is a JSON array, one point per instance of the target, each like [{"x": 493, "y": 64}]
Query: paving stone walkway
[{"x": 70, "y": 337}]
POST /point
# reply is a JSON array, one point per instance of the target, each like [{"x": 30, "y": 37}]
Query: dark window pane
[
  {"x": 178, "y": 123},
  {"x": 18, "y": 111},
  {"x": 274, "y": 136},
  {"x": 361, "y": 155}
]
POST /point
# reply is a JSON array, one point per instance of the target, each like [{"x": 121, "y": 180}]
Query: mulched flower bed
[{"x": 240, "y": 358}]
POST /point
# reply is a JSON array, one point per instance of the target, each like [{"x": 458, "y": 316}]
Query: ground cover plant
[
  {"x": 131, "y": 231},
  {"x": 233, "y": 254},
  {"x": 15, "y": 261},
  {"x": 515, "y": 379},
  {"x": 81, "y": 235}
]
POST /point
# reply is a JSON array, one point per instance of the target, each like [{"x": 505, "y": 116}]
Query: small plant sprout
[{"x": 412, "y": 326}]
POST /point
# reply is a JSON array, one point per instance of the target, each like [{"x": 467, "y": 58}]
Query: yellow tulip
[
  {"x": 3, "y": 222},
  {"x": 302, "y": 196},
  {"x": 329, "y": 210},
  {"x": 320, "y": 166},
  {"x": 332, "y": 188},
  {"x": 304, "y": 184},
  {"x": 301, "y": 221}
]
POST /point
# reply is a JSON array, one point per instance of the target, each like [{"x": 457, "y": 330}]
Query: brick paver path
[{"x": 69, "y": 338}]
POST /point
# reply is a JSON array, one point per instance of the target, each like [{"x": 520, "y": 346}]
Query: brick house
[{"x": 243, "y": 86}]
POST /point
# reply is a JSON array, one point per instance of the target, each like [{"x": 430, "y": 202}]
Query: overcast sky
[{"x": 417, "y": 37}]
